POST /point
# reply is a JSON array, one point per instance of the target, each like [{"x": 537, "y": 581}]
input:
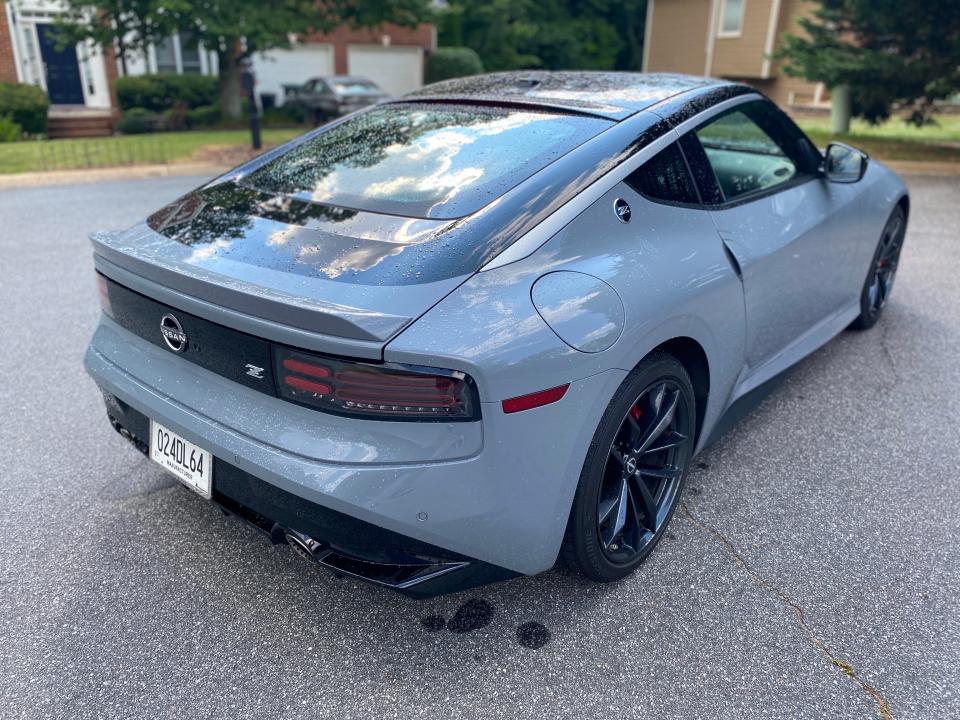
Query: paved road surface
[{"x": 815, "y": 571}]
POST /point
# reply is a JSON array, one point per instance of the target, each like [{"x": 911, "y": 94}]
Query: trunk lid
[{"x": 350, "y": 279}]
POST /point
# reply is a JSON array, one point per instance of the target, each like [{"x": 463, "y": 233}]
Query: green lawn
[
  {"x": 895, "y": 139},
  {"x": 40, "y": 155}
]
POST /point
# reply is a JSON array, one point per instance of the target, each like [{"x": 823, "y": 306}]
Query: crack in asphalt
[
  {"x": 887, "y": 353},
  {"x": 883, "y": 707}
]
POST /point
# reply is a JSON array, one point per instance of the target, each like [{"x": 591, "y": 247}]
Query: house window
[
  {"x": 731, "y": 17},
  {"x": 178, "y": 54},
  {"x": 189, "y": 53},
  {"x": 166, "y": 56}
]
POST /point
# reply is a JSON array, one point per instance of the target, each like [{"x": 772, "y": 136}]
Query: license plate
[{"x": 193, "y": 466}]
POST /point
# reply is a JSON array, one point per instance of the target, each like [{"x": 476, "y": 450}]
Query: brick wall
[
  {"x": 8, "y": 67},
  {"x": 421, "y": 35}
]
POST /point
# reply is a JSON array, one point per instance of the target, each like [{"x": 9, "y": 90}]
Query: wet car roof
[{"x": 615, "y": 95}]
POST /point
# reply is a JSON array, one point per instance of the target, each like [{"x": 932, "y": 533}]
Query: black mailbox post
[{"x": 248, "y": 82}]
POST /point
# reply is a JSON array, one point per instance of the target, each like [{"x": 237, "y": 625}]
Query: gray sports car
[{"x": 444, "y": 340}]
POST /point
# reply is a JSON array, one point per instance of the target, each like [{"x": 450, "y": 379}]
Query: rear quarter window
[
  {"x": 429, "y": 161},
  {"x": 665, "y": 178}
]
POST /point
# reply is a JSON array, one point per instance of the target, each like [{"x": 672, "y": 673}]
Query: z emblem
[{"x": 254, "y": 371}]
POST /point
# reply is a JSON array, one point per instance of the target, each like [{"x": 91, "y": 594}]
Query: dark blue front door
[{"x": 61, "y": 67}]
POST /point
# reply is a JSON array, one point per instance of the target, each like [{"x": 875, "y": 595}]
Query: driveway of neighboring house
[{"x": 814, "y": 570}]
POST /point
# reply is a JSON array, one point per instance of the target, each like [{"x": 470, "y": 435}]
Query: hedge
[
  {"x": 26, "y": 105},
  {"x": 140, "y": 120},
  {"x": 9, "y": 130},
  {"x": 452, "y": 62},
  {"x": 161, "y": 92}
]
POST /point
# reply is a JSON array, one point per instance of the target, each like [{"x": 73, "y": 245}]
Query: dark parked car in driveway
[{"x": 331, "y": 97}]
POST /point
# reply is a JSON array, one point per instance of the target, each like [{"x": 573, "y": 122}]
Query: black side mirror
[{"x": 844, "y": 164}]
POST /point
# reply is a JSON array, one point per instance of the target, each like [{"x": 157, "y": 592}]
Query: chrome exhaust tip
[
  {"x": 304, "y": 545},
  {"x": 397, "y": 575}
]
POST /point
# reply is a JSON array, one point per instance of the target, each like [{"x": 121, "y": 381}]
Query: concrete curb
[{"x": 77, "y": 177}]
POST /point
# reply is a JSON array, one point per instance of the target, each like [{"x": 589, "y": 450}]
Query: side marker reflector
[{"x": 533, "y": 400}]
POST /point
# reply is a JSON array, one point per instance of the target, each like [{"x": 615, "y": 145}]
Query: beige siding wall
[
  {"x": 786, "y": 90},
  {"x": 678, "y": 36},
  {"x": 678, "y": 43},
  {"x": 742, "y": 56}
]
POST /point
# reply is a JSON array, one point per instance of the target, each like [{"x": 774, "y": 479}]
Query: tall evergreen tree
[{"x": 888, "y": 52}]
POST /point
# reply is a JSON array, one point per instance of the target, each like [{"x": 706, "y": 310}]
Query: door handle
[{"x": 732, "y": 258}]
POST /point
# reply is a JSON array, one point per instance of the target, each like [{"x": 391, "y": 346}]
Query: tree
[
  {"x": 548, "y": 34},
  {"x": 128, "y": 25},
  {"x": 236, "y": 29},
  {"x": 233, "y": 29},
  {"x": 888, "y": 52}
]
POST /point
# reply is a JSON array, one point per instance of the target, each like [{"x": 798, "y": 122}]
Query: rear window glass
[{"x": 429, "y": 161}]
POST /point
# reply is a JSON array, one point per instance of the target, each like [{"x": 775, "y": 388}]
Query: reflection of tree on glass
[{"x": 420, "y": 160}]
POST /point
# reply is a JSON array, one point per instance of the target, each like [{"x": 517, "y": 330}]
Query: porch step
[{"x": 72, "y": 126}]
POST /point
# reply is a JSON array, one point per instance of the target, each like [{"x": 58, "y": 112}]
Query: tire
[
  {"x": 591, "y": 545},
  {"x": 883, "y": 269}
]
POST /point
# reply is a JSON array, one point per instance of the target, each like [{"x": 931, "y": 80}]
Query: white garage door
[
  {"x": 277, "y": 68},
  {"x": 396, "y": 69}
]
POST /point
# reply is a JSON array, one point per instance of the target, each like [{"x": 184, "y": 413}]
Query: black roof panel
[{"x": 615, "y": 95}]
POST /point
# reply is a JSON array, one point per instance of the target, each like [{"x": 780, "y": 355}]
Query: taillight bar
[{"x": 386, "y": 392}]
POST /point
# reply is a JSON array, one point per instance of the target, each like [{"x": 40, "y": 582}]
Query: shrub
[
  {"x": 138, "y": 120},
  {"x": 26, "y": 105},
  {"x": 452, "y": 62},
  {"x": 285, "y": 115},
  {"x": 9, "y": 130},
  {"x": 161, "y": 92},
  {"x": 176, "y": 117},
  {"x": 204, "y": 116}
]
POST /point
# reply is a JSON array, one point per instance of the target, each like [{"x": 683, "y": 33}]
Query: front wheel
[
  {"x": 883, "y": 270},
  {"x": 635, "y": 468}
]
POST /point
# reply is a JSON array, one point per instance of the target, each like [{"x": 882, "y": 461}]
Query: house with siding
[
  {"x": 732, "y": 39},
  {"x": 79, "y": 80}
]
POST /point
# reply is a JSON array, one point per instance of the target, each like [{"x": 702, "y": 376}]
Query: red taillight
[
  {"x": 387, "y": 392},
  {"x": 304, "y": 368},
  {"x": 534, "y": 400},
  {"x": 104, "y": 291},
  {"x": 307, "y": 385}
]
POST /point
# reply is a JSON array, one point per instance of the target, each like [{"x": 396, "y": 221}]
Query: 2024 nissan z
[{"x": 444, "y": 340}]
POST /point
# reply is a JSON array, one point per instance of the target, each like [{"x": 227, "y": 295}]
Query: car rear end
[
  {"x": 257, "y": 341},
  {"x": 355, "y": 93}
]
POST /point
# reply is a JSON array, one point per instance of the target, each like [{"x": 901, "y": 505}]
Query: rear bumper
[
  {"x": 346, "y": 546},
  {"x": 500, "y": 498}
]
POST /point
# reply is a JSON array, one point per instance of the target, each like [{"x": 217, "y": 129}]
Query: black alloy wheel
[
  {"x": 641, "y": 479},
  {"x": 634, "y": 471},
  {"x": 883, "y": 270}
]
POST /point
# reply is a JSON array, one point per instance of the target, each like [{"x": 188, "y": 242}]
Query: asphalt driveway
[{"x": 814, "y": 570}]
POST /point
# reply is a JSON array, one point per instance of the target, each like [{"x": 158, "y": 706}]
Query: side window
[
  {"x": 665, "y": 178},
  {"x": 703, "y": 176},
  {"x": 747, "y": 150}
]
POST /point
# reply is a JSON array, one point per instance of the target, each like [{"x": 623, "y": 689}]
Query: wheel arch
[
  {"x": 904, "y": 202},
  {"x": 693, "y": 357}
]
